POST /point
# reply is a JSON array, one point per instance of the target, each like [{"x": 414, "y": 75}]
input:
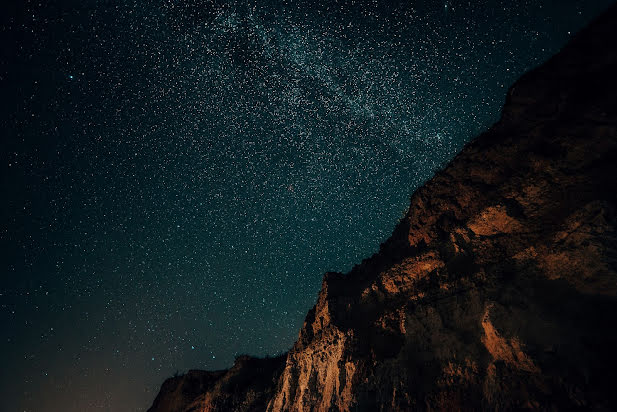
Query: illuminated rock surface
[{"x": 497, "y": 290}]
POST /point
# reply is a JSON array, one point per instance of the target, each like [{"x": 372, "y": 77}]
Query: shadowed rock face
[
  {"x": 247, "y": 386},
  {"x": 498, "y": 290}
]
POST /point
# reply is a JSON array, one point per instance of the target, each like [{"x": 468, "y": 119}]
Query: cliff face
[{"x": 498, "y": 290}]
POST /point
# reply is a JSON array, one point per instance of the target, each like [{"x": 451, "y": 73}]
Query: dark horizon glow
[{"x": 178, "y": 175}]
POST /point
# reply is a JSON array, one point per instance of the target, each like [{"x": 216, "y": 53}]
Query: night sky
[{"x": 177, "y": 176}]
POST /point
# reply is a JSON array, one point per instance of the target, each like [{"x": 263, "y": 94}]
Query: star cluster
[{"x": 180, "y": 174}]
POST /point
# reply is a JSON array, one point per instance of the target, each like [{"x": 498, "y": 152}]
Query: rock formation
[
  {"x": 247, "y": 386},
  {"x": 498, "y": 289}
]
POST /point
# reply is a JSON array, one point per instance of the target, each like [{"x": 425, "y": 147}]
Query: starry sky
[{"x": 177, "y": 176}]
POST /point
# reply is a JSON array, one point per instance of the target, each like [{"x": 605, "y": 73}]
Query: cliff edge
[{"x": 498, "y": 289}]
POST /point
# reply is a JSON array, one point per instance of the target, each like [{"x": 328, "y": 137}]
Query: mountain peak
[{"x": 497, "y": 290}]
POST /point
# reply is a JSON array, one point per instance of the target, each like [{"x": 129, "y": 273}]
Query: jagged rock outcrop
[
  {"x": 247, "y": 386},
  {"x": 498, "y": 289}
]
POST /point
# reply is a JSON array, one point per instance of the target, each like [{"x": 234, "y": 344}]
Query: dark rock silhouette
[
  {"x": 497, "y": 291},
  {"x": 247, "y": 386}
]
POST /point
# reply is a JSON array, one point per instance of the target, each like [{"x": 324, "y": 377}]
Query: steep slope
[{"x": 498, "y": 290}]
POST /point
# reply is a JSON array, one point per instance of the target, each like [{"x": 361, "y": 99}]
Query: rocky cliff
[{"x": 498, "y": 289}]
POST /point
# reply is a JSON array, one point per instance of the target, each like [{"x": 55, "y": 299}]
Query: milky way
[{"x": 180, "y": 175}]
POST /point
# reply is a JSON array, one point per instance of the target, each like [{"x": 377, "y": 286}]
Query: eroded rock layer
[{"x": 498, "y": 290}]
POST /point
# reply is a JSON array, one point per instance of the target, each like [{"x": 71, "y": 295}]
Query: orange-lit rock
[{"x": 496, "y": 291}]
